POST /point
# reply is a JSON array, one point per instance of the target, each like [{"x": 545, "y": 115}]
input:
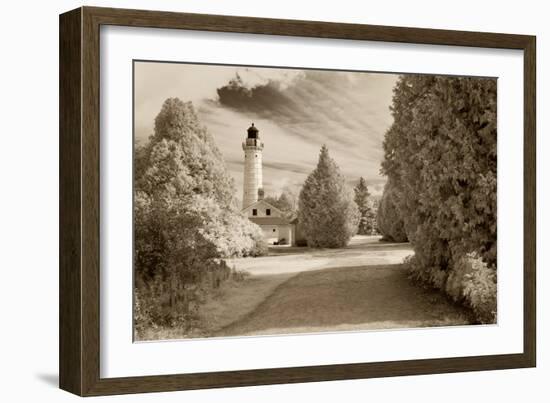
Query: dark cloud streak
[{"x": 319, "y": 106}]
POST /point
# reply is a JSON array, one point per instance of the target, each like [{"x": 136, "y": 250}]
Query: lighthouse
[
  {"x": 253, "y": 181},
  {"x": 277, "y": 229}
]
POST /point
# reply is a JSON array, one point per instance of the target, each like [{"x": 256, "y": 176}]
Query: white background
[
  {"x": 29, "y": 199},
  {"x": 120, "y": 358}
]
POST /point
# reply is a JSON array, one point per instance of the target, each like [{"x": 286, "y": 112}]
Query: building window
[
  {"x": 273, "y": 229},
  {"x": 267, "y": 211},
  {"x": 254, "y": 211}
]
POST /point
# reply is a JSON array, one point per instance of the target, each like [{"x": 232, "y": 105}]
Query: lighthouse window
[
  {"x": 267, "y": 211},
  {"x": 254, "y": 211},
  {"x": 256, "y": 155},
  {"x": 273, "y": 229}
]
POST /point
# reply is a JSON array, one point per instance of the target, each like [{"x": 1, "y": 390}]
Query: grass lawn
[
  {"x": 295, "y": 290},
  {"x": 349, "y": 298},
  {"x": 237, "y": 300}
]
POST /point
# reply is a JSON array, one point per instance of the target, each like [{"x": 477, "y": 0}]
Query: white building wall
[
  {"x": 271, "y": 233},
  {"x": 277, "y": 232},
  {"x": 285, "y": 231}
]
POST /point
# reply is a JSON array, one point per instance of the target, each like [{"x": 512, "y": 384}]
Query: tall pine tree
[
  {"x": 326, "y": 210},
  {"x": 364, "y": 205}
]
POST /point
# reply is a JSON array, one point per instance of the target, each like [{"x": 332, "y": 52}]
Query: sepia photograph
[{"x": 277, "y": 200}]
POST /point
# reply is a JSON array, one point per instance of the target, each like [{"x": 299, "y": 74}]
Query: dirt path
[{"x": 360, "y": 287}]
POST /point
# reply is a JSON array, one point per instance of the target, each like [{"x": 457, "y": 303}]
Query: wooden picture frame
[{"x": 79, "y": 348}]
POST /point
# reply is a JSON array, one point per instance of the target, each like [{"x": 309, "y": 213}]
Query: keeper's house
[{"x": 276, "y": 228}]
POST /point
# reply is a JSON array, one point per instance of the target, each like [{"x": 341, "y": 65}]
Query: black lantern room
[{"x": 253, "y": 132}]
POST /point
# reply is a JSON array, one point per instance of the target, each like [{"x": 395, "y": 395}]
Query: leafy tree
[
  {"x": 441, "y": 159},
  {"x": 286, "y": 202},
  {"x": 182, "y": 158},
  {"x": 185, "y": 215},
  {"x": 327, "y": 212}
]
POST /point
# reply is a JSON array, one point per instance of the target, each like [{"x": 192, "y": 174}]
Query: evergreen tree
[
  {"x": 441, "y": 160},
  {"x": 373, "y": 216},
  {"x": 389, "y": 221},
  {"x": 326, "y": 210},
  {"x": 362, "y": 200}
]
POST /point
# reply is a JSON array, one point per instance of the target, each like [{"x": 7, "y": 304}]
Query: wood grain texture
[
  {"x": 317, "y": 29},
  {"x": 70, "y": 314},
  {"x": 90, "y": 202},
  {"x": 530, "y": 202},
  {"x": 80, "y": 200}
]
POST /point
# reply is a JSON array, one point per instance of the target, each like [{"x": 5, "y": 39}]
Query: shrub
[
  {"x": 474, "y": 283},
  {"x": 260, "y": 246},
  {"x": 470, "y": 282},
  {"x": 234, "y": 234},
  {"x": 173, "y": 302},
  {"x": 431, "y": 276}
]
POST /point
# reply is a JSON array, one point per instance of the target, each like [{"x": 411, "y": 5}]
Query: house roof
[
  {"x": 262, "y": 201},
  {"x": 269, "y": 220}
]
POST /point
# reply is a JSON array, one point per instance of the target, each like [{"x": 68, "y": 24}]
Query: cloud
[
  {"x": 340, "y": 109},
  {"x": 290, "y": 167},
  {"x": 297, "y": 111},
  {"x": 349, "y": 112}
]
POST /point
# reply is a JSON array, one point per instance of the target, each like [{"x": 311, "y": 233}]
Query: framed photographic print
[{"x": 249, "y": 201}]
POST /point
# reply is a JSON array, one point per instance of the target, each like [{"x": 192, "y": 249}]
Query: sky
[{"x": 296, "y": 111}]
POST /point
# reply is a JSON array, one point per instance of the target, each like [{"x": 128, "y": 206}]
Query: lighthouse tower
[{"x": 253, "y": 180}]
